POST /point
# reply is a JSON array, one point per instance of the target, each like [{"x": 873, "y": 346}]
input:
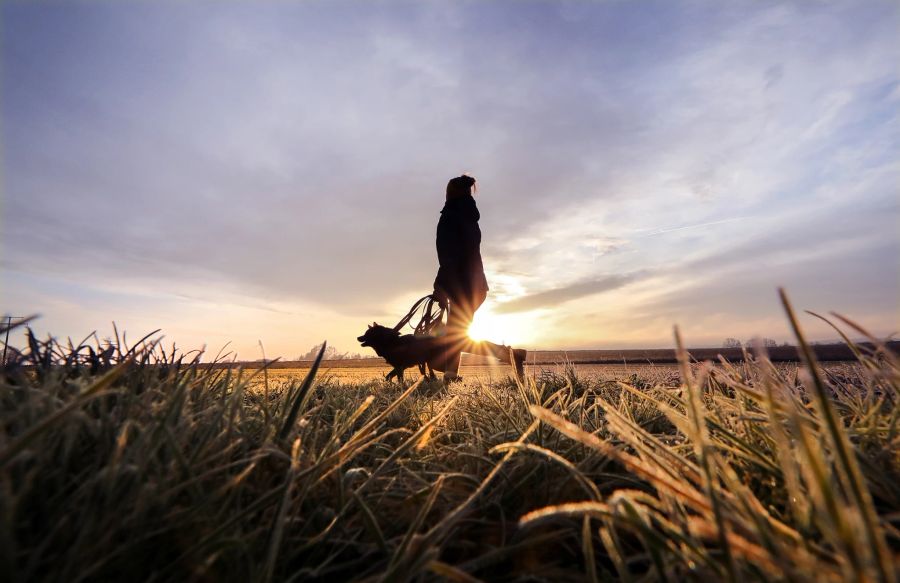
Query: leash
[{"x": 429, "y": 320}]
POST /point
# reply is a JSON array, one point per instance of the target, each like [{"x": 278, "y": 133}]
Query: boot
[
  {"x": 451, "y": 377},
  {"x": 519, "y": 355},
  {"x": 451, "y": 369}
]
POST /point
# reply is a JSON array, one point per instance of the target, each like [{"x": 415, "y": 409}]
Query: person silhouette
[{"x": 461, "y": 285}]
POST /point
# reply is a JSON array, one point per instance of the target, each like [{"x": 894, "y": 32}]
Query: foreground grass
[{"x": 140, "y": 465}]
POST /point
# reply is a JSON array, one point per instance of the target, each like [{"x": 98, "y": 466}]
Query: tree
[
  {"x": 331, "y": 353},
  {"x": 731, "y": 343},
  {"x": 766, "y": 342}
]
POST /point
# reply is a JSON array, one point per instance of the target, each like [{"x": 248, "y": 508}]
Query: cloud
[
  {"x": 554, "y": 297},
  {"x": 697, "y": 226},
  {"x": 297, "y": 154}
]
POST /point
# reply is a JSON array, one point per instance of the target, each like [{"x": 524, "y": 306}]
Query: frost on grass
[{"x": 137, "y": 464}]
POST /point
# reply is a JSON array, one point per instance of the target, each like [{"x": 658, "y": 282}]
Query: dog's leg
[
  {"x": 422, "y": 369},
  {"x": 390, "y": 375}
]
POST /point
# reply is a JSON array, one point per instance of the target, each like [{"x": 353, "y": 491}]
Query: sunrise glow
[
  {"x": 648, "y": 169},
  {"x": 500, "y": 328}
]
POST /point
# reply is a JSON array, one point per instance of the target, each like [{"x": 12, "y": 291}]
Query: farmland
[
  {"x": 823, "y": 353},
  {"x": 477, "y": 375},
  {"x": 140, "y": 464},
  {"x": 610, "y": 365}
]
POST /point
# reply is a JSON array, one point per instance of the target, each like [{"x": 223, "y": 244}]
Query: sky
[{"x": 271, "y": 175}]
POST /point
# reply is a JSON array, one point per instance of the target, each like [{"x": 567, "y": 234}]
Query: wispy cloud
[
  {"x": 695, "y": 226},
  {"x": 553, "y": 298}
]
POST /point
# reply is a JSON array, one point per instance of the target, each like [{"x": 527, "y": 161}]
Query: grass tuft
[{"x": 123, "y": 462}]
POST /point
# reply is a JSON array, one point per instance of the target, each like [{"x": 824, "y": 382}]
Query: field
[
  {"x": 477, "y": 375},
  {"x": 139, "y": 464},
  {"x": 655, "y": 365},
  {"x": 628, "y": 358},
  {"x": 474, "y": 375}
]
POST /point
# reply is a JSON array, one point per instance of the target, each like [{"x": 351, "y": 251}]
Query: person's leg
[
  {"x": 458, "y": 320},
  {"x": 506, "y": 354},
  {"x": 488, "y": 348},
  {"x": 462, "y": 311}
]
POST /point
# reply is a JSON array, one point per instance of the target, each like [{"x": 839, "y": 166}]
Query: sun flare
[{"x": 501, "y": 328}]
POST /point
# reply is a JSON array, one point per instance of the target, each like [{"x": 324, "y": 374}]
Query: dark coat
[{"x": 461, "y": 272}]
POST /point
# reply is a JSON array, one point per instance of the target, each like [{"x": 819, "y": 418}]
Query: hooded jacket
[{"x": 461, "y": 271}]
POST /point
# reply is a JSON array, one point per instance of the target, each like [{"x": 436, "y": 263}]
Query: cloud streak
[
  {"x": 555, "y": 297},
  {"x": 697, "y": 226}
]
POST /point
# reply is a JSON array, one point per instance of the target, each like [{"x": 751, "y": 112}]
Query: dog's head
[{"x": 378, "y": 335}]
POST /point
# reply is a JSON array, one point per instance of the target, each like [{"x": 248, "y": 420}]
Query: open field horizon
[
  {"x": 824, "y": 352},
  {"x": 479, "y": 376}
]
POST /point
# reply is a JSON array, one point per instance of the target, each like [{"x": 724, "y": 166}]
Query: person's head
[{"x": 460, "y": 186}]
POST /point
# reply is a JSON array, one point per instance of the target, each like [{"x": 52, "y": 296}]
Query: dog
[{"x": 403, "y": 351}]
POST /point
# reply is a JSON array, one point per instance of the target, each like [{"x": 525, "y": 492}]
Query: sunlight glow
[{"x": 510, "y": 329}]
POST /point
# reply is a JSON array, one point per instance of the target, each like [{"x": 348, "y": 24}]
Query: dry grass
[
  {"x": 477, "y": 375},
  {"x": 141, "y": 465}
]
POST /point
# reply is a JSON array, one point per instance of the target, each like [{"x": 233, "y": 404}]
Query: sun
[
  {"x": 483, "y": 326},
  {"x": 499, "y": 328}
]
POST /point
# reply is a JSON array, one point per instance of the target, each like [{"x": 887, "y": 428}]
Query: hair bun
[{"x": 460, "y": 186}]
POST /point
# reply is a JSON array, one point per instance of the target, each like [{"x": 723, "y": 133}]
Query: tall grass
[{"x": 135, "y": 463}]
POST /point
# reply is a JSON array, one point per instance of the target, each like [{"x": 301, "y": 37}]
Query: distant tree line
[
  {"x": 735, "y": 343},
  {"x": 331, "y": 353}
]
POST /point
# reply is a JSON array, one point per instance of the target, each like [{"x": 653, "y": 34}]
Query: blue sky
[{"x": 242, "y": 172}]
